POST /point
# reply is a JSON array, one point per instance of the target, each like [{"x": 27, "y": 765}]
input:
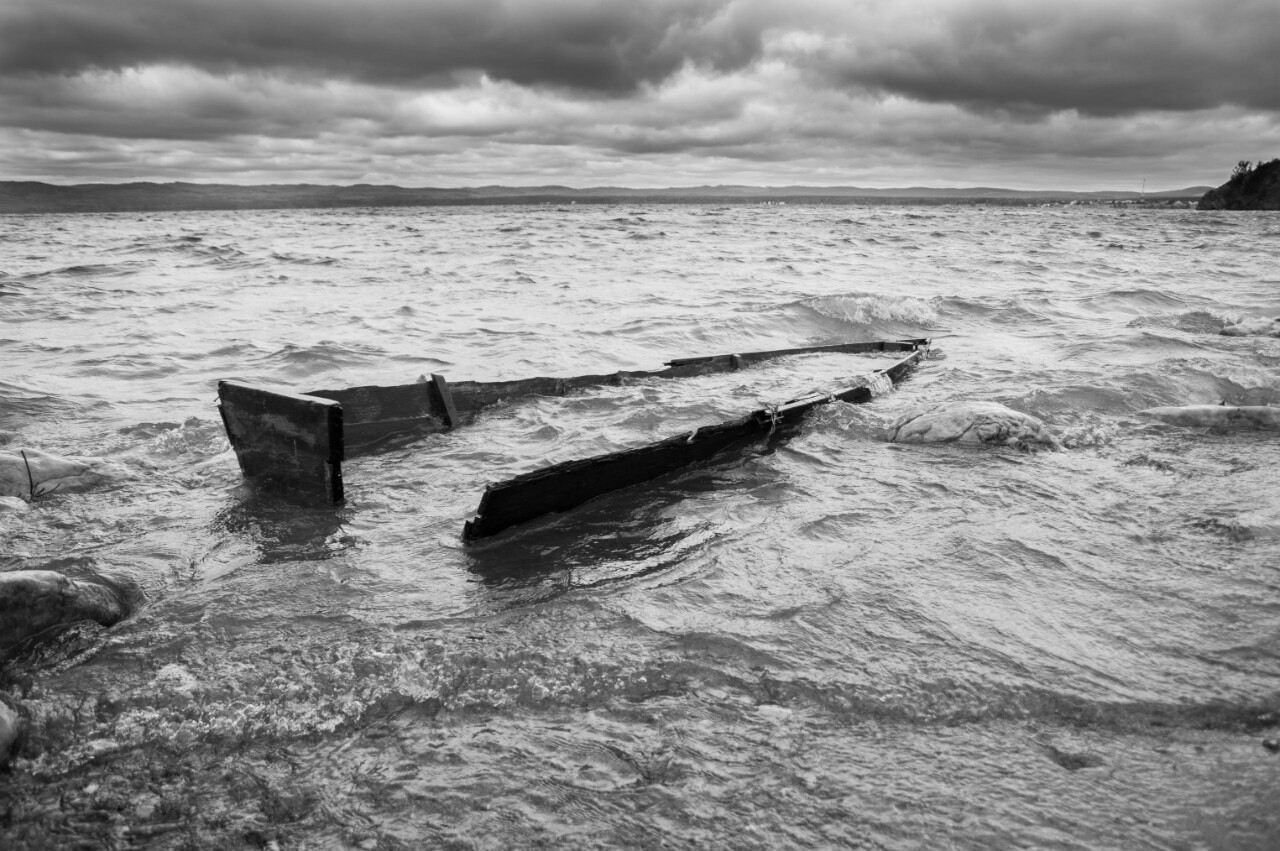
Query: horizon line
[{"x": 598, "y": 187}]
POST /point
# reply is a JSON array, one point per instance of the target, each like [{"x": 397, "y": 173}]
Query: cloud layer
[{"x": 465, "y": 92}]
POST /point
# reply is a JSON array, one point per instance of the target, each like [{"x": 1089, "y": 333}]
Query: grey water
[{"x": 824, "y": 641}]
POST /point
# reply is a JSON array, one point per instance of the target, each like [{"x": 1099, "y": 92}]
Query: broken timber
[
  {"x": 294, "y": 443},
  {"x": 287, "y": 442},
  {"x": 564, "y": 486}
]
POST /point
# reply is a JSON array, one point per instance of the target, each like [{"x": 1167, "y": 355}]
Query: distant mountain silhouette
[{"x": 34, "y": 197}]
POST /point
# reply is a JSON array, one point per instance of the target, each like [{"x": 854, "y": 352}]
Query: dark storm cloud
[
  {"x": 591, "y": 46},
  {"x": 819, "y": 90},
  {"x": 174, "y": 104},
  {"x": 1098, "y": 58}
]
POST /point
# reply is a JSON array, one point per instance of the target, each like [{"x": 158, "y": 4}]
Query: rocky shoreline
[
  {"x": 1251, "y": 187},
  {"x": 38, "y": 605}
]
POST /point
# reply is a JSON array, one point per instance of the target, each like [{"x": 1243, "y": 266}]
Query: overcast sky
[{"x": 1072, "y": 94}]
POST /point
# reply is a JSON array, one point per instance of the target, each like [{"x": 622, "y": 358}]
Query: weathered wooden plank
[
  {"x": 731, "y": 362},
  {"x": 286, "y": 442},
  {"x": 444, "y": 397},
  {"x": 568, "y": 485},
  {"x": 372, "y": 414},
  {"x": 473, "y": 396},
  {"x": 373, "y": 403},
  {"x": 564, "y": 486}
]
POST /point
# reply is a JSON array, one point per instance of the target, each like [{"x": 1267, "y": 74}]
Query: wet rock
[
  {"x": 1217, "y": 416},
  {"x": 973, "y": 422},
  {"x": 1073, "y": 760},
  {"x": 10, "y": 727},
  {"x": 1144, "y": 460},
  {"x": 30, "y": 473},
  {"x": 34, "y": 601},
  {"x": 1254, "y": 526},
  {"x": 13, "y": 505},
  {"x": 1256, "y": 327}
]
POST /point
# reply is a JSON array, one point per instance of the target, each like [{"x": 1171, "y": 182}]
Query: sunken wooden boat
[{"x": 293, "y": 444}]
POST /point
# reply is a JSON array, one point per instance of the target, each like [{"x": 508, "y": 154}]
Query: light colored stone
[
  {"x": 32, "y": 601},
  {"x": 988, "y": 423},
  {"x": 14, "y": 505},
  {"x": 53, "y": 473},
  {"x": 1255, "y": 525},
  {"x": 10, "y": 727},
  {"x": 1254, "y": 327},
  {"x": 1217, "y": 416}
]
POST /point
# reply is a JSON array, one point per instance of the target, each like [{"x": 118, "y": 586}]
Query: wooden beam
[
  {"x": 564, "y": 486},
  {"x": 375, "y": 414}
]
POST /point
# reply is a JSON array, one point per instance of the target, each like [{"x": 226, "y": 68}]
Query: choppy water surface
[{"x": 828, "y": 641}]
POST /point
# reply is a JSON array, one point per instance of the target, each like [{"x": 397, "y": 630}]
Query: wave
[
  {"x": 1174, "y": 381},
  {"x": 1009, "y": 311},
  {"x": 20, "y": 402},
  {"x": 1194, "y": 322},
  {"x": 198, "y": 248},
  {"x": 872, "y": 309},
  {"x": 194, "y": 436},
  {"x": 1137, "y": 299},
  {"x": 294, "y": 359},
  {"x": 302, "y": 260},
  {"x": 10, "y": 286},
  {"x": 161, "y": 243},
  {"x": 91, "y": 270},
  {"x": 147, "y": 253}
]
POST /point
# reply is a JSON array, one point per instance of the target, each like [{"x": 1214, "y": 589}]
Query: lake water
[{"x": 828, "y": 641}]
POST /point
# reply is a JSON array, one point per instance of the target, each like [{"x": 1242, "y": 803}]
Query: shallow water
[{"x": 823, "y": 640}]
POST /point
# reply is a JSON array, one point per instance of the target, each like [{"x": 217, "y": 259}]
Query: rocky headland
[{"x": 1251, "y": 187}]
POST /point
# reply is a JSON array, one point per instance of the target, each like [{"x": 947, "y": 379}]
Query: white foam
[{"x": 866, "y": 308}]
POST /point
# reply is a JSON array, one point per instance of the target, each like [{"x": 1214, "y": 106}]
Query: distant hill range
[{"x": 33, "y": 197}]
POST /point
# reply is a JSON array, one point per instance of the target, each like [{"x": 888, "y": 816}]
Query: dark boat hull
[{"x": 567, "y": 485}]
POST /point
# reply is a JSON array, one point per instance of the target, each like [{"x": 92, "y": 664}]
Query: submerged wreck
[{"x": 294, "y": 444}]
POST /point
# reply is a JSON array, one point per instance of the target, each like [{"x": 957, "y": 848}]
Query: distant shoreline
[{"x": 19, "y": 197}]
